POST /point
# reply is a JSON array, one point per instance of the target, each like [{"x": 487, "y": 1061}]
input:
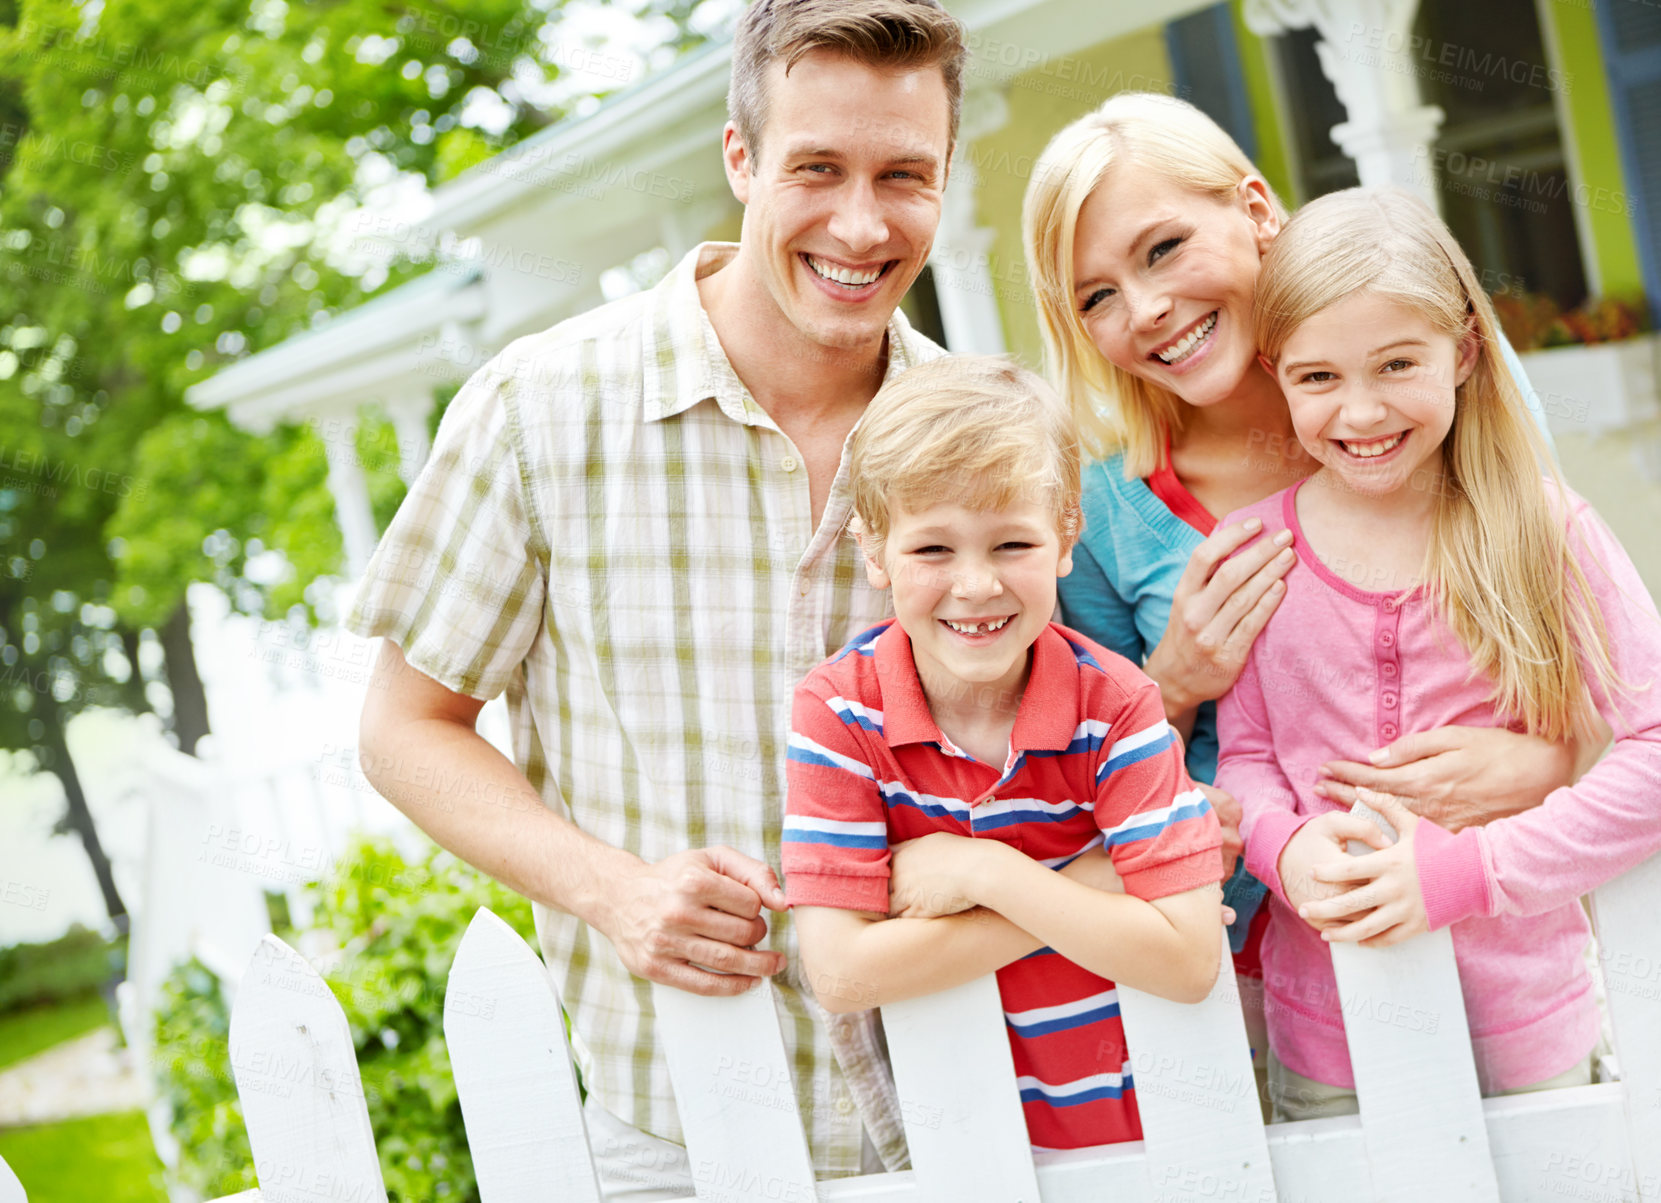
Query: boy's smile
[{"x": 972, "y": 589}]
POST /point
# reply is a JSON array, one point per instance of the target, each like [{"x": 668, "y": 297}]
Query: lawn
[
  {"x": 104, "y": 1159},
  {"x": 25, "y": 1033}
]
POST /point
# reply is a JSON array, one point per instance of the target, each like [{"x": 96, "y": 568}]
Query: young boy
[{"x": 1002, "y": 746}]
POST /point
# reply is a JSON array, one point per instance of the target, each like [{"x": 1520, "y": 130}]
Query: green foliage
[
  {"x": 36, "y": 1029},
  {"x": 76, "y": 963},
  {"x": 103, "y": 1159},
  {"x": 174, "y": 180},
  {"x": 192, "y": 1065},
  {"x": 398, "y": 924}
]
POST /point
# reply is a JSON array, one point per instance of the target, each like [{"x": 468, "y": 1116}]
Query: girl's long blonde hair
[
  {"x": 1137, "y": 130},
  {"x": 1499, "y": 563}
]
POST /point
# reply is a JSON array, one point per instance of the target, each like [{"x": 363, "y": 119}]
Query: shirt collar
[
  {"x": 684, "y": 363},
  {"x": 1049, "y": 711}
]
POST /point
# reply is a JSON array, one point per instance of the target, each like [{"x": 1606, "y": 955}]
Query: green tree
[{"x": 173, "y": 177}]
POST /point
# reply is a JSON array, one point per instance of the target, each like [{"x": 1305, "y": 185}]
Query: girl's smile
[{"x": 1372, "y": 385}]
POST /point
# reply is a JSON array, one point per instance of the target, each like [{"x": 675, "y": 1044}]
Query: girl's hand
[
  {"x": 1320, "y": 844},
  {"x": 1218, "y": 609},
  {"x": 936, "y": 874},
  {"x": 1457, "y": 777},
  {"x": 1389, "y": 893}
]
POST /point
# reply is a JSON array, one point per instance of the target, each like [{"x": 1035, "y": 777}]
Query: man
[{"x": 633, "y": 523}]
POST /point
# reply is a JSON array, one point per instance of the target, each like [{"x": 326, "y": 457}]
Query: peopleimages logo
[
  {"x": 1467, "y": 60},
  {"x": 26, "y": 467},
  {"x": 1474, "y": 169}
]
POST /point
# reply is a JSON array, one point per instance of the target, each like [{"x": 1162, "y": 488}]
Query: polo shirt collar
[
  {"x": 683, "y": 361},
  {"x": 1045, "y": 722}
]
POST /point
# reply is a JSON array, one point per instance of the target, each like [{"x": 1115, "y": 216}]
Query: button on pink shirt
[{"x": 1340, "y": 671}]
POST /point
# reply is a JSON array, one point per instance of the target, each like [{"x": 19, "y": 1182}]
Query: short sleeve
[
  {"x": 834, "y": 850},
  {"x": 1160, "y": 830},
  {"x": 456, "y": 581}
]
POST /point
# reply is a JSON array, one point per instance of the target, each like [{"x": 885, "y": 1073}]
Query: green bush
[
  {"x": 73, "y": 965},
  {"x": 399, "y": 925}
]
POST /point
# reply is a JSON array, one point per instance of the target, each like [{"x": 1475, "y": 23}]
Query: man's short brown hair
[{"x": 904, "y": 34}]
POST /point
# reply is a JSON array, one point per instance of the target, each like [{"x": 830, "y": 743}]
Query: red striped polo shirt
[{"x": 1092, "y": 761}]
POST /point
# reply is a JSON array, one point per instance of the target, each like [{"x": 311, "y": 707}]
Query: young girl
[{"x": 1439, "y": 580}]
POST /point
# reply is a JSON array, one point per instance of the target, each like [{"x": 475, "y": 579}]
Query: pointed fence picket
[
  {"x": 1418, "y": 1137},
  {"x": 11, "y": 1190}
]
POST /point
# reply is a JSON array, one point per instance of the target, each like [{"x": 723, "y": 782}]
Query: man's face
[{"x": 842, "y": 198}]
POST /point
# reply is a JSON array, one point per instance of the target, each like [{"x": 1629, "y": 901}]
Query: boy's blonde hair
[
  {"x": 1499, "y": 563},
  {"x": 1145, "y": 131},
  {"x": 899, "y": 34},
  {"x": 976, "y": 429}
]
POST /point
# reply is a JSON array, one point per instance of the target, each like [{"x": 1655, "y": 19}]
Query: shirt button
[
  {"x": 845, "y": 1105},
  {"x": 1390, "y": 605},
  {"x": 1389, "y": 701},
  {"x": 1388, "y": 639},
  {"x": 789, "y": 463},
  {"x": 1389, "y": 670},
  {"x": 1388, "y": 730}
]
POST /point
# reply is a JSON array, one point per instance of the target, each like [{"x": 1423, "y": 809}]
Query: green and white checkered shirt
[{"x": 613, "y": 531}]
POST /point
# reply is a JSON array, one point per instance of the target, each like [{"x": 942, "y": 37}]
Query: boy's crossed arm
[{"x": 857, "y": 959}]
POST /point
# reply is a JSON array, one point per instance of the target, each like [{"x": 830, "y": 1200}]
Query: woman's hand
[
  {"x": 1388, "y": 904},
  {"x": 1458, "y": 777},
  {"x": 1319, "y": 845},
  {"x": 1228, "y": 814},
  {"x": 934, "y": 874},
  {"x": 1218, "y": 609}
]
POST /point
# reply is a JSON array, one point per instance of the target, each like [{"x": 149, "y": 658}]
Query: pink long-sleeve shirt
[{"x": 1340, "y": 671}]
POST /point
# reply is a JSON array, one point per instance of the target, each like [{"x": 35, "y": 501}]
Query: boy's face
[
  {"x": 973, "y": 589},
  {"x": 843, "y": 196}
]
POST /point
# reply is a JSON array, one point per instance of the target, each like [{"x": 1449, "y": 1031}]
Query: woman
[{"x": 1144, "y": 227}]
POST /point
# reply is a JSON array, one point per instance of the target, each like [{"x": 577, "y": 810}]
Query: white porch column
[
  {"x": 409, "y": 420},
  {"x": 962, "y": 270},
  {"x": 350, "y": 492},
  {"x": 1365, "y": 49}
]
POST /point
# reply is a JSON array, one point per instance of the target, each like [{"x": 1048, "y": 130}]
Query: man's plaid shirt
[{"x": 614, "y": 532}]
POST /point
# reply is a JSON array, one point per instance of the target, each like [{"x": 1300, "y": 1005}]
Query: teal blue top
[{"x": 1125, "y": 572}]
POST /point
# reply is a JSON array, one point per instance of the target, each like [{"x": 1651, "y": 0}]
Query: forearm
[
  {"x": 1117, "y": 936},
  {"x": 454, "y": 785},
  {"x": 889, "y": 960},
  {"x": 1590, "y": 749}
]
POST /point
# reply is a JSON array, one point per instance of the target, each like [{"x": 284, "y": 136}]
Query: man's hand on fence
[
  {"x": 1384, "y": 886},
  {"x": 696, "y": 911},
  {"x": 1318, "y": 843}
]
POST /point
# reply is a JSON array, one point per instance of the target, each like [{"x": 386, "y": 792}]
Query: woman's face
[{"x": 1165, "y": 277}]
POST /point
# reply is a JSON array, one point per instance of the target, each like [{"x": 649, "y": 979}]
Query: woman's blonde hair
[
  {"x": 1499, "y": 563},
  {"x": 1116, "y": 411},
  {"x": 976, "y": 429}
]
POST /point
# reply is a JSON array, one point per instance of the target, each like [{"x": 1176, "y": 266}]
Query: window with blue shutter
[{"x": 1631, "y": 36}]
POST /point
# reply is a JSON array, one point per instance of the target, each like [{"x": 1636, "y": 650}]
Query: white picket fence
[{"x": 1424, "y": 1134}]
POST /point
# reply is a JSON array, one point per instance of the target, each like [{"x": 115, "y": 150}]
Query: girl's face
[
  {"x": 1165, "y": 276},
  {"x": 1371, "y": 385}
]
